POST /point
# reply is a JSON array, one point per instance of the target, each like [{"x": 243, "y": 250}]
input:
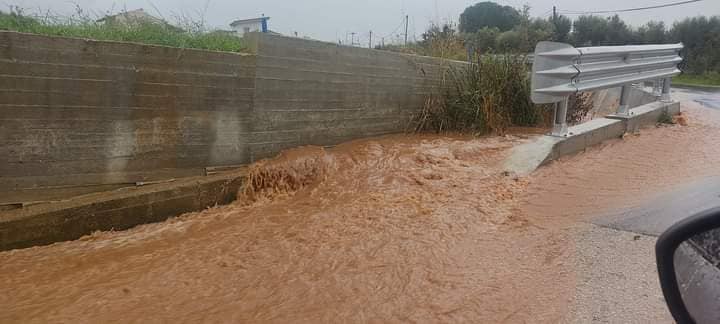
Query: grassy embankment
[
  {"x": 705, "y": 80},
  {"x": 146, "y": 33}
]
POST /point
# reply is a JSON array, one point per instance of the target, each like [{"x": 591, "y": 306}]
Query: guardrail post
[
  {"x": 624, "y": 95},
  {"x": 657, "y": 87},
  {"x": 666, "y": 90},
  {"x": 560, "y": 128}
]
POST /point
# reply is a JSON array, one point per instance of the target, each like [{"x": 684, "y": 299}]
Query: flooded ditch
[{"x": 394, "y": 229}]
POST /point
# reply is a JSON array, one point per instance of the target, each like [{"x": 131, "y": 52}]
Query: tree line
[{"x": 487, "y": 27}]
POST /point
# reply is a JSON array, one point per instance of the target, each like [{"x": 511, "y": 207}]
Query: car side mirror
[{"x": 688, "y": 260}]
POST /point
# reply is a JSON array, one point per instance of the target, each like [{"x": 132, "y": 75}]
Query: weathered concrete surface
[
  {"x": 526, "y": 158},
  {"x": 83, "y": 113},
  {"x": 115, "y": 210},
  {"x": 88, "y": 113},
  {"x": 588, "y": 134},
  {"x": 317, "y": 93},
  {"x": 606, "y": 102},
  {"x": 84, "y": 116},
  {"x": 647, "y": 114}
]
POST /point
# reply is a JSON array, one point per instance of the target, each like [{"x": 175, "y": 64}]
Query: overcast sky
[{"x": 333, "y": 20}]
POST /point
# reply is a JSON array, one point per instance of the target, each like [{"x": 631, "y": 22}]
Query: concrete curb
[
  {"x": 116, "y": 210},
  {"x": 527, "y": 158}
]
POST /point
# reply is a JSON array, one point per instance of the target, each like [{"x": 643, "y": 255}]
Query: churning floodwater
[
  {"x": 395, "y": 229},
  {"x": 401, "y": 228}
]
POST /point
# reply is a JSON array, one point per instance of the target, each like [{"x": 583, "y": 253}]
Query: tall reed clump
[{"x": 487, "y": 96}]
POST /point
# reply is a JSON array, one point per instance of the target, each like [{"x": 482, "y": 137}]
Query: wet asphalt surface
[
  {"x": 707, "y": 97},
  {"x": 615, "y": 260},
  {"x": 657, "y": 215}
]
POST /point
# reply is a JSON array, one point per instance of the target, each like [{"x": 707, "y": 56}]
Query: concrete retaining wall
[
  {"x": 79, "y": 113},
  {"x": 311, "y": 92}
]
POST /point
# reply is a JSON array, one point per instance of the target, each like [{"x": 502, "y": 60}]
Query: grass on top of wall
[{"x": 146, "y": 33}]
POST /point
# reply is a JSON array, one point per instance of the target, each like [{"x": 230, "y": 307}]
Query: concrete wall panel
[
  {"x": 310, "y": 92},
  {"x": 77, "y": 112}
]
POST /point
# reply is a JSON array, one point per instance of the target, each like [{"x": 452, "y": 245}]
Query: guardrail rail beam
[{"x": 560, "y": 70}]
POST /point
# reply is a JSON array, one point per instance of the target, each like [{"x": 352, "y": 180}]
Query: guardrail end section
[{"x": 551, "y": 56}]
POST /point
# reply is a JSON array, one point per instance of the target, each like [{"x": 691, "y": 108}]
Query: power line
[
  {"x": 570, "y": 12},
  {"x": 396, "y": 29}
]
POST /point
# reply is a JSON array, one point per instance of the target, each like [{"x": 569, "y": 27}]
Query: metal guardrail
[{"x": 560, "y": 70}]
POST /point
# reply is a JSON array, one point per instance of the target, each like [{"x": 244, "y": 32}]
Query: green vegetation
[
  {"x": 146, "y": 33},
  {"x": 701, "y": 37},
  {"x": 488, "y": 15},
  {"x": 711, "y": 79},
  {"x": 490, "y": 28},
  {"x": 489, "y": 95}
]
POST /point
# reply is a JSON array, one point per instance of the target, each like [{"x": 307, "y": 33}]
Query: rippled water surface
[{"x": 395, "y": 229}]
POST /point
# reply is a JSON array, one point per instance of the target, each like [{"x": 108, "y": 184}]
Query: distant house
[
  {"x": 250, "y": 25},
  {"x": 133, "y": 17}
]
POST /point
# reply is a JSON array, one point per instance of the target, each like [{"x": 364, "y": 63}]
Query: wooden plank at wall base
[
  {"x": 68, "y": 180},
  {"x": 28, "y": 197},
  {"x": 119, "y": 210}
]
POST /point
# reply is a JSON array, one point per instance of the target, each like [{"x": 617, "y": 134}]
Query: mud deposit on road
[{"x": 397, "y": 229}]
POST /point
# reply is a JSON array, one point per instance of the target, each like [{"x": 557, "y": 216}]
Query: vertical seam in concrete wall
[
  {"x": 85, "y": 113},
  {"x": 94, "y": 112}
]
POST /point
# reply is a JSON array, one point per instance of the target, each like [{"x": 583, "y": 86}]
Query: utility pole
[
  {"x": 370, "y": 42},
  {"x": 352, "y": 39},
  {"x": 407, "y": 19},
  {"x": 382, "y": 42},
  {"x": 554, "y": 14}
]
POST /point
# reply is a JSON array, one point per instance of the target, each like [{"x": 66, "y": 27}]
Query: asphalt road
[
  {"x": 707, "y": 97},
  {"x": 656, "y": 215},
  {"x": 615, "y": 260}
]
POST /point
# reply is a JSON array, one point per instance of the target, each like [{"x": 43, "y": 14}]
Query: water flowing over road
[{"x": 396, "y": 229}]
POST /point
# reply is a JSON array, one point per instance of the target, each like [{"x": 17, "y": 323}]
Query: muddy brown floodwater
[{"x": 394, "y": 229}]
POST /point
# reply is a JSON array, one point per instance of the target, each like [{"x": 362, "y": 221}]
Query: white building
[{"x": 250, "y": 25}]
